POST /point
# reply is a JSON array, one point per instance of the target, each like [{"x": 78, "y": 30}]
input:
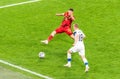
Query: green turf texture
[
  {"x": 8, "y": 74},
  {"x": 23, "y": 27}
]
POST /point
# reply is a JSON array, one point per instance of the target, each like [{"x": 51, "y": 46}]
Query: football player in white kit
[{"x": 78, "y": 46}]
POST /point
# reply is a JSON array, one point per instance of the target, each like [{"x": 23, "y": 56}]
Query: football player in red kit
[{"x": 65, "y": 26}]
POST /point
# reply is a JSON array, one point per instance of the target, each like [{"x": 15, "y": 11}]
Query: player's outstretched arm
[{"x": 59, "y": 14}]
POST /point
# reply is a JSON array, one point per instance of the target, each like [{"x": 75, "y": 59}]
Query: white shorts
[{"x": 79, "y": 47}]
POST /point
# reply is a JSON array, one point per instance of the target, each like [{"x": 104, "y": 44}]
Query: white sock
[
  {"x": 85, "y": 62},
  {"x": 69, "y": 58}
]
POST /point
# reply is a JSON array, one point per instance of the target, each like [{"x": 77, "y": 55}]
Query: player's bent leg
[
  {"x": 68, "y": 59},
  {"x": 85, "y": 62},
  {"x": 69, "y": 32},
  {"x": 49, "y": 38}
]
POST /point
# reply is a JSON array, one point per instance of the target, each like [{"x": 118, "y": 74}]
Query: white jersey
[
  {"x": 80, "y": 34},
  {"x": 79, "y": 46}
]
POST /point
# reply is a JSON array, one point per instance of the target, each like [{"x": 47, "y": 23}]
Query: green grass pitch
[{"x": 22, "y": 27}]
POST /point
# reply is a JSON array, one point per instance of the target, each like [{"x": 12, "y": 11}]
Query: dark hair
[{"x": 71, "y": 9}]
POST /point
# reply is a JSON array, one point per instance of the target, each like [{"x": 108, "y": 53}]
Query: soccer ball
[{"x": 41, "y": 54}]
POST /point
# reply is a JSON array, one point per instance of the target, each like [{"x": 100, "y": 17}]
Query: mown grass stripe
[
  {"x": 23, "y": 69},
  {"x": 21, "y": 3}
]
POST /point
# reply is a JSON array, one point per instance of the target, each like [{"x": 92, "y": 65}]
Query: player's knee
[
  {"x": 53, "y": 33},
  {"x": 69, "y": 51},
  {"x": 83, "y": 56}
]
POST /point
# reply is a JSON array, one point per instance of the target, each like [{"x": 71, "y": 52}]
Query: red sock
[{"x": 50, "y": 37}]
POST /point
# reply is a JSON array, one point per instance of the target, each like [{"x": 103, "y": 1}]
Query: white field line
[
  {"x": 26, "y": 70},
  {"x": 21, "y": 3}
]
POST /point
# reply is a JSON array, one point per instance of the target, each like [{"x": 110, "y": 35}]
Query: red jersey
[
  {"x": 65, "y": 25},
  {"x": 67, "y": 20}
]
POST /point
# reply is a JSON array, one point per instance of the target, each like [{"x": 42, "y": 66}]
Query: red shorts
[{"x": 67, "y": 30}]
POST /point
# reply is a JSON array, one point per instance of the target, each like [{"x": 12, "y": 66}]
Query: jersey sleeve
[{"x": 66, "y": 14}]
